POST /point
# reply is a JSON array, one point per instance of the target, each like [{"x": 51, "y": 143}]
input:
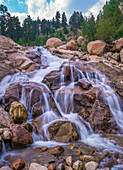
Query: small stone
[
  {"x": 56, "y": 150},
  {"x": 60, "y": 166},
  {"x": 43, "y": 148},
  {"x": 69, "y": 161},
  {"x": 71, "y": 146},
  {"x": 7, "y": 135},
  {"x": 78, "y": 165},
  {"x": 5, "y": 168},
  {"x": 52, "y": 167},
  {"x": 78, "y": 153},
  {"x": 18, "y": 164},
  {"x": 91, "y": 165},
  {"x": 36, "y": 166},
  {"x": 87, "y": 158}
]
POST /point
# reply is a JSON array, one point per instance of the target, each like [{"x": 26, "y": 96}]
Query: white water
[{"x": 64, "y": 101}]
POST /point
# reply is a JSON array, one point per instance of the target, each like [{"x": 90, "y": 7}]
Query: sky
[{"x": 47, "y": 8}]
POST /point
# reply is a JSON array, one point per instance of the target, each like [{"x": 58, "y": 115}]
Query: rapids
[{"x": 64, "y": 103}]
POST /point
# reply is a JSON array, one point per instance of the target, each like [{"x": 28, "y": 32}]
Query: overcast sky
[{"x": 47, "y": 8}]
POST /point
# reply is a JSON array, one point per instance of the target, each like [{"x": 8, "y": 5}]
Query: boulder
[
  {"x": 5, "y": 119},
  {"x": 80, "y": 41},
  {"x": 118, "y": 45},
  {"x": 18, "y": 112},
  {"x": 5, "y": 168},
  {"x": 53, "y": 42},
  {"x": 20, "y": 136},
  {"x": 84, "y": 84},
  {"x": 36, "y": 166},
  {"x": 7, "y": 135},
  {"x": 97, "y": 47},
  {"x": 63, "y": 131},
  {"x": 91, "y": 165},
  {"x": 56, "y": 151},
  {"x": 18, "y": 164},
  {"x": 121, "y": 56},
  {"x": 72, "y": 45},
  {"x": 78, "y": 165}
]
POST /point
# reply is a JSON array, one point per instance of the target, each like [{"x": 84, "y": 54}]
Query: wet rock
[
  {"x": 5, "y": 168},
  {"x": 87, "y": 158},
  {"x": 78, "y": 165},
  {"x": 53, "y": 42},
  {"x": 27, "y": 126},
  {"x": 5, "y": 119},
  {"x": 18, "y": 164},
  {"x": 18, "y": 112},
  {"x": 36, "y": 166},
  {"x": 20, "y": 136},
  {"x": 69, "y": 161},
  {"x": 43, "y": 148},
  {"x": 121, "y": 56},
  {"x": 62, "y": 131},
  {"x": 97, "y": 47},
  {"x": 56, "y": 151},
  {"x": 91, "y": 165},
  {"x": 72, "y": 45},
  {"x": 84, "y": 84},
  {"x": 37, "y": 110},
  {"x": 52, "y": 167},
  {"x": 7, "y": 135}
]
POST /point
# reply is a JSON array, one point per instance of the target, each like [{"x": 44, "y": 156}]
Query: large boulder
[
  {"x": 63, "y": 131},
  {"x": 72, "y": 45},
  {"x": 53, "y": 42},
  {"x": 118, "y": 45},
  {"x": 97, "y": 47},
  {"x": 121, "y": 56},
  {"x": 80, "y": 41},
  {"x": 18, "y": 112},
  {"x": 20, "y": 136},
  {"x": 5, "y": 119}
]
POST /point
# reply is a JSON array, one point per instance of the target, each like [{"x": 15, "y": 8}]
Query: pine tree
[
  {"x": 43, "y": 27},
  {"x": 57, "y": 23},
  {"x": 64, "y": 23}
]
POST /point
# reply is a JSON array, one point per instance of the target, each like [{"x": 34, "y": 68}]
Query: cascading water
[{"x": 63, "y": 98}]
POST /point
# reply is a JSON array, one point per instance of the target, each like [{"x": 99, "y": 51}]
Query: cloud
[
  {"x": 21, "y": 16},
  {"x": 96, "y": 8},
  {"x": 20, "y": 2},
  {"x": 1, "y": 1},
  {"x": 43, "y": 9}
]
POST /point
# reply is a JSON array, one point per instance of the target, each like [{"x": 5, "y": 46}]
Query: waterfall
[{"x": 63, "y": 98}]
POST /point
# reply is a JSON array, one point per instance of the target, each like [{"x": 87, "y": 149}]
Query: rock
[
  {"x": 121, "y": 56},
  {"x": 84, "y": 84},
  {"x": 43, "y": 148},
  {"x": 63, "y": 131},
  {"x": 116, "y": 56},
  {"x": 56, "y": 151},
  {"x": 20, "y": 136},
  {"x": 71, "y": 45},
  {"x": 52, "y": 167},
  {"x": 61, "y": 166},
  {"x": 80, "y": 41},
  {"x": 5, "y": 168},
  {"x": 118, "y": 45},
  {"x": 78, "y": 165},
  {"x": 27, "y": 126},
  {"x": 102, "y": 169},
  {"x": 36, "y": 166},
  {"x": 18, "y": 164},
  {"x": 7, "y": 135},
  {"x": 5, "y": 119},
  {"x": 18, "y": 112},
  {"x": 91, "y": 165},
  {"x": 69, "y": 161},
  {"x": 114, "y": 62},
  {"x": 53, "y": 42},
  {"x": 97, "y": 47},
  {"x": 87, "y": 158}
]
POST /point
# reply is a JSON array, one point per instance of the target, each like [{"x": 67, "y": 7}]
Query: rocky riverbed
[{"x": 61, "y": 112}]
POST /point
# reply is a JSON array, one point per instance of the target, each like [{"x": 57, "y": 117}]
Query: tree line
[{"x": 108, "y": 25}]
